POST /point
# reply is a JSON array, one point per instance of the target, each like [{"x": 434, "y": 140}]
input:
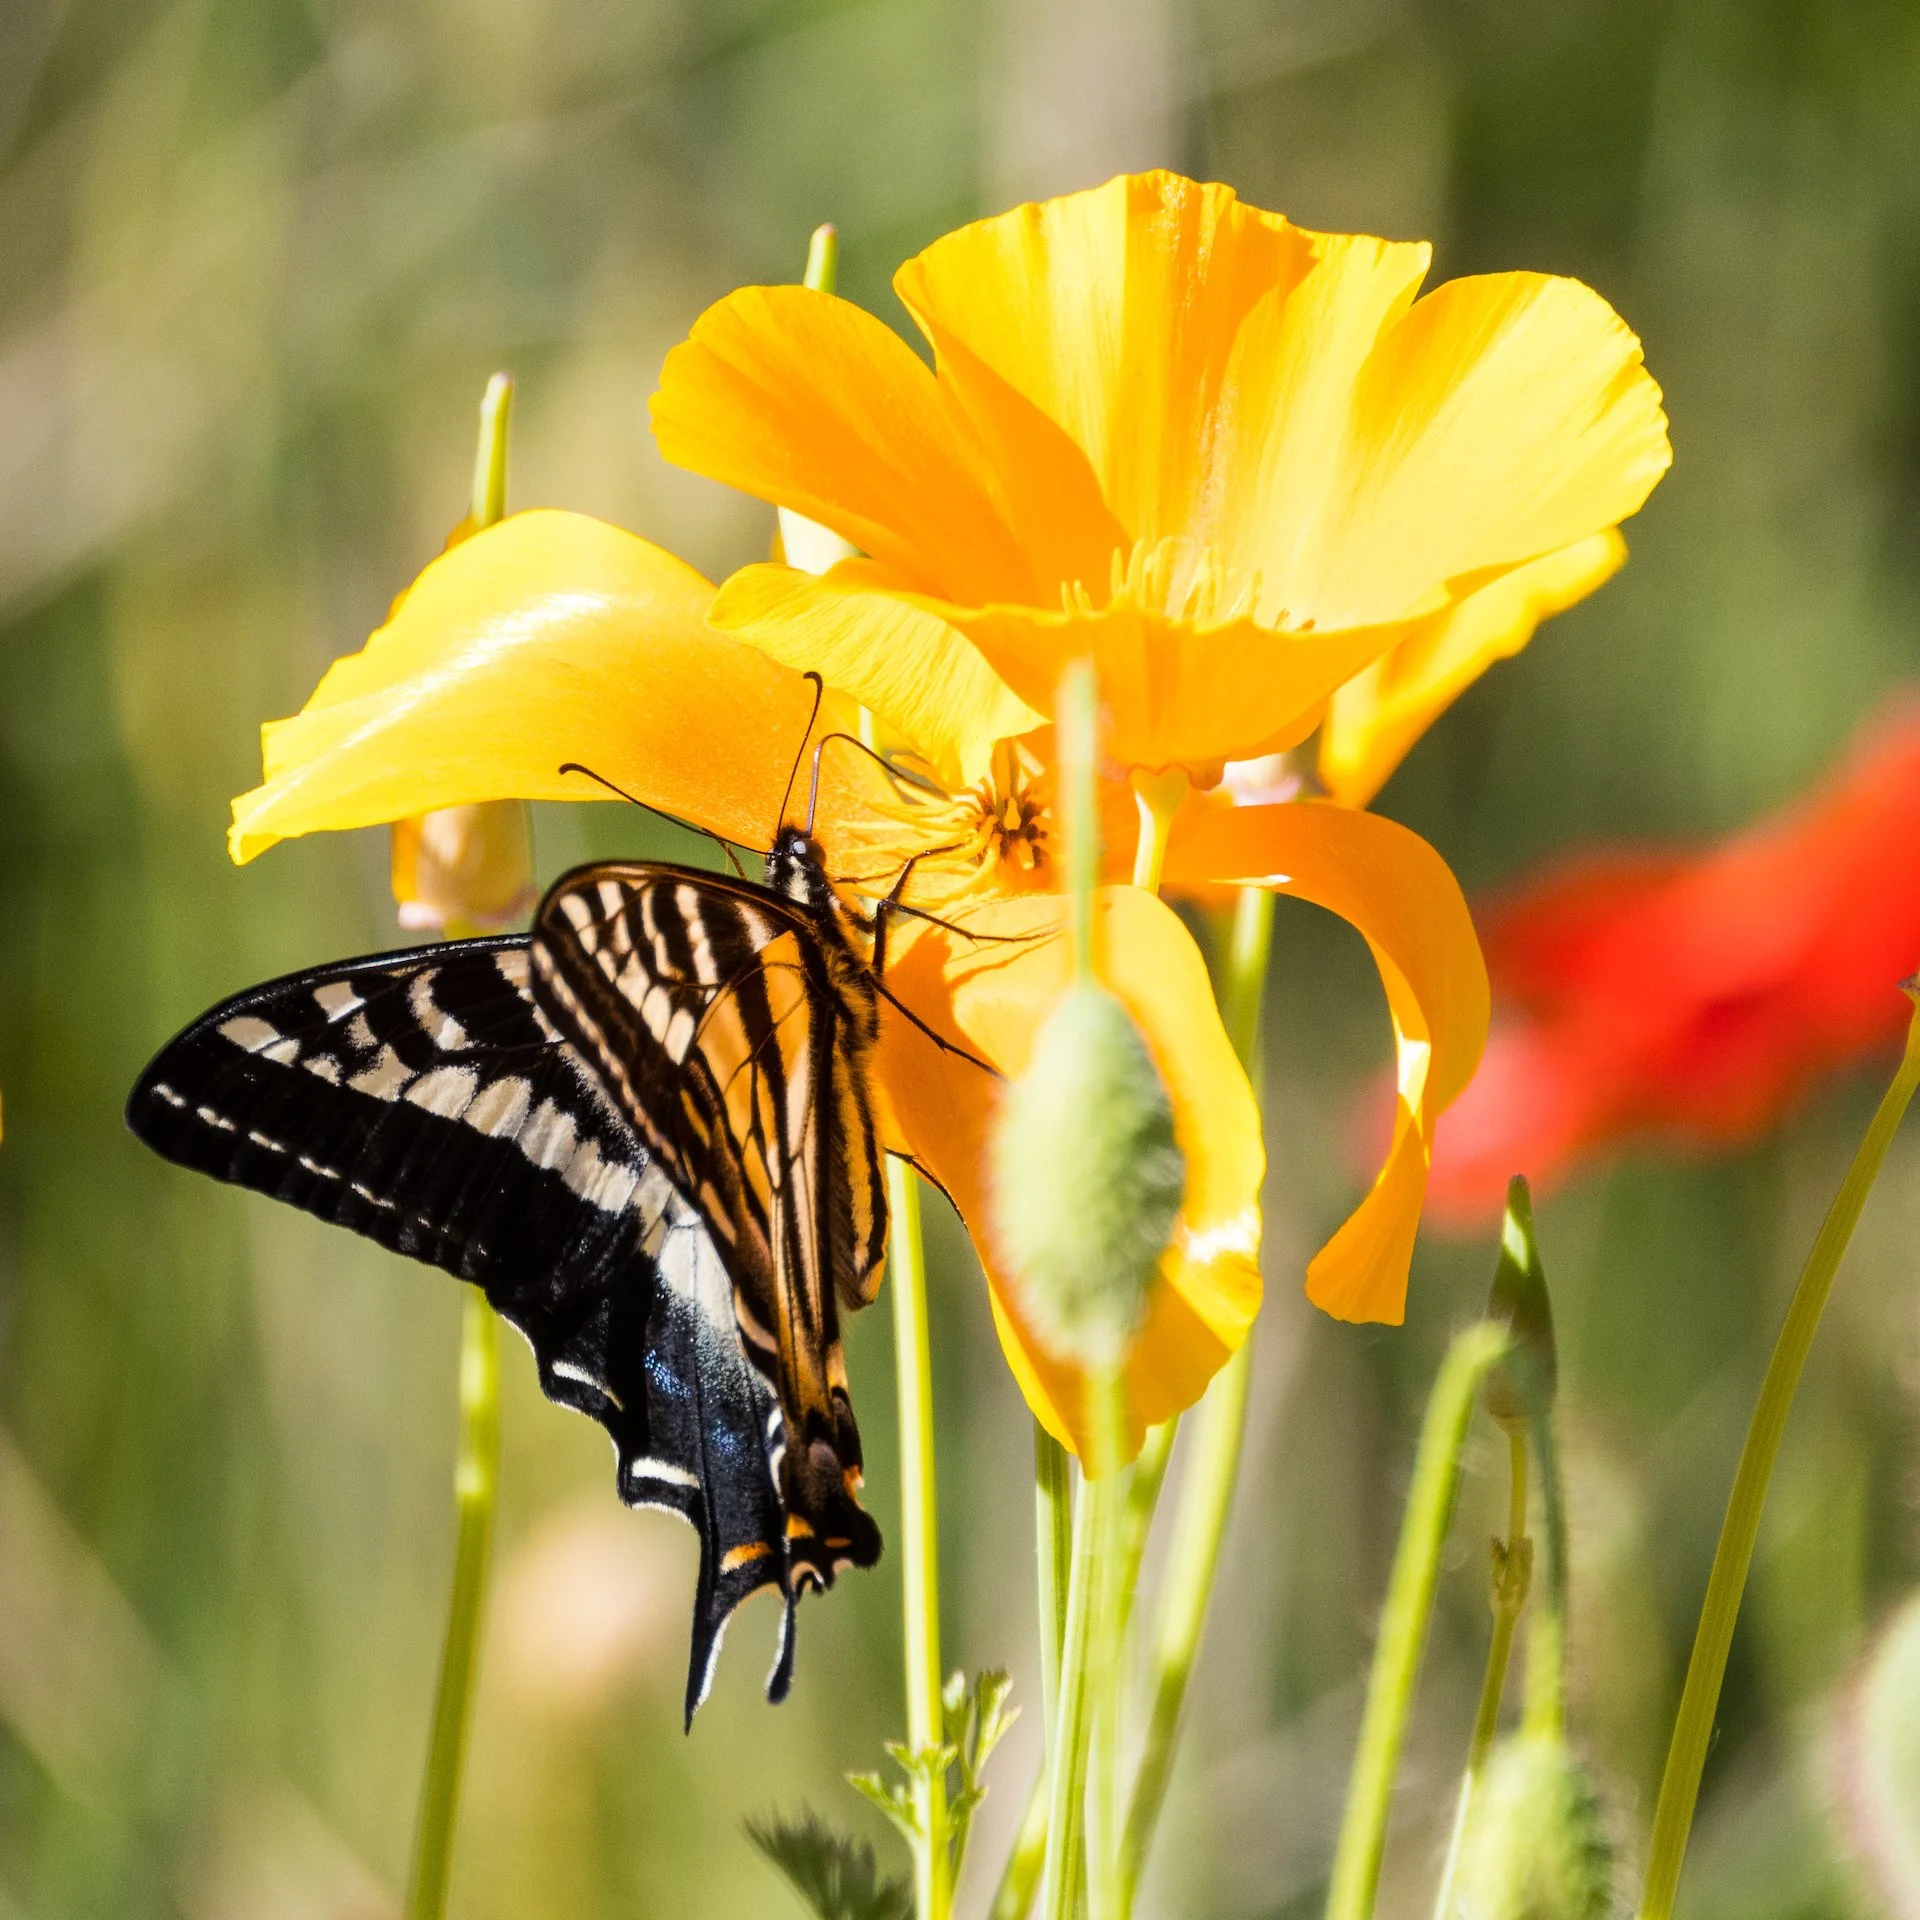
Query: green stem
[
  {"x": 1053, "y": 1528},
  {"x": 919, "y": 1545},
  {"x": 475, "y": 1480},
  {"x": 1143, "y": 1498},
  {"x": 1403, "y": 1621},
  {"x": 1067, "y": 1738},
  {"x": 1700, "y": 1698},
  {"x": 1512, "y": 1568},
  {"x": 1207, "y": 1493},
  {"x": 1106, "y": 1632}
]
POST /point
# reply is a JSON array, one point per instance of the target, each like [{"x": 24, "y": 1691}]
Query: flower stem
[
  {"x": 1403, "y": 1622},
  {"x": 1207, "y": 1495},
  {"x": 1512, "y": 1570},
  {"x": 475, "y": 1479},
  {"x": 919, "y": 1545},
  {"x": 1053, "y": 1528},
  {"x": 1067, "y": 1737},
  {"x": 1700, "y": 1698}
]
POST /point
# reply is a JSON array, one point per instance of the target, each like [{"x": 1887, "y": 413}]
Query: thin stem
[
  {"x": 475, "y": 1479},
  {"x": 1067, "y": 1747},
  {"x": 1143, "y": 1498},
  {"x": 1403, "y": 1621},
  {"x": 919, "y": 1545},
  {"x": 1700, "y": 1698},
  {"x": 1053, "y": 1529},
  {"x": 1108, "y": 1494},
  {"x": 1207, "y": 1493},
  {"x": 1512, "y": 1569}
]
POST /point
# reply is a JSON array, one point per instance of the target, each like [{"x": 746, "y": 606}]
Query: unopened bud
[
  {"x": 464, "y": 866},
  {"x": 1878, "y": 1750},
  {"x": 1536, "y": 1845},
  {"x": 1087, "y": 1178},
  {"x": 1519, "y": 1301}
]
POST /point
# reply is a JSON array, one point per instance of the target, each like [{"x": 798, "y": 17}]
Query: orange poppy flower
[
  {"x": 553, "y": 638},
  {"x": 1693, "y": 995},
  {"x": 1236, "y": 463}
]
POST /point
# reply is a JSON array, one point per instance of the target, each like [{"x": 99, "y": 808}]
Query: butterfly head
[{"x": 796, "y": 870}]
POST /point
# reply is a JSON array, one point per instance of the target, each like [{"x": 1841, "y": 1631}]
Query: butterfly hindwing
[
  {"x": 423, "y": 1099},
  {"x": 732, "y": 1026}
]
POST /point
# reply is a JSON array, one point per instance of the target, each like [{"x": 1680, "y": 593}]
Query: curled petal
[
  {"x": 1391, "y": 886},
  {"x": 1375, "y": 719},
  {"x": 893, "y": 655},
  {"x": 990, "y": 996},
  {"x": 548, "y": 638}
]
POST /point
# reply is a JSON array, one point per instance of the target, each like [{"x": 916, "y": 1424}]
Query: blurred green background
[{"x": 257, "y": 258}]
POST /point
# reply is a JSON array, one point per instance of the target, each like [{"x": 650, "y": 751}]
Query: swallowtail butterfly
[{"x": 644, "y": 1129}]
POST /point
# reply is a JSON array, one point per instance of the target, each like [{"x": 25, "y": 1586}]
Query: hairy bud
[
  {"x": 1087, "y": 1178},
  {"x": 1536, "y": 1845}
]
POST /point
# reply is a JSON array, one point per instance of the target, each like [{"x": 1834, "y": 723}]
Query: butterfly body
[{"x": 645, "y": 1130}]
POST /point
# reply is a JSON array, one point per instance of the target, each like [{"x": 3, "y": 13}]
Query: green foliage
[
  {"x": 976, "y": 1718},
  {"x": 837, "y": 1877}
]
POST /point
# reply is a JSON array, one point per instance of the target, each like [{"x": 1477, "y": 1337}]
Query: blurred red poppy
[{"x": 1693, "y": 996}]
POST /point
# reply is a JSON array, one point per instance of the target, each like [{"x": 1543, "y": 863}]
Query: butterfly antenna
[
  {"x": 793, "y": 773},
  {"x": 896, "y": 777},
  {"x": 719, "y": 840}
]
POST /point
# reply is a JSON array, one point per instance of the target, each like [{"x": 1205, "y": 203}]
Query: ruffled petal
[
  {"x": 1498, "y": 419},
  {"x": 1376, "y": 717},
  {"x": 805, "y": 400},
  {"x": 548, "y": 638},
  {"x": 892, "y": 654},
  {"x": 990, "y": 998},
  {"x": 1393, "y": 887},
  {"x": 1114, "y": 312}
]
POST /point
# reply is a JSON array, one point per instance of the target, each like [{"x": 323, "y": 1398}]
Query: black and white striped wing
[
  {"x": 712, "y": 1014},
  {"x": 422, "y": 1099}
]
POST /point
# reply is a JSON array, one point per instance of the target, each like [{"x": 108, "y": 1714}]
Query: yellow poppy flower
[
  {"x": 1235, "y": 462},
  {"x": 554, "y": 638}
]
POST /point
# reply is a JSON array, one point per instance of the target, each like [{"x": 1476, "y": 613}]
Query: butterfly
[{"x": 645, "y": 1130}]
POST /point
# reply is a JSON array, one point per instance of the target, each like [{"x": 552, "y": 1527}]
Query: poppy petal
[
  {"x": 990, "y": 998},
  {"x": 1498, "y": 419},
  {"x": 1374, "y": 720},
  {"x": 1391, "y": 886},
  {"x": 892, "y": 654},
  {"x": 550, "y": 637},
  {"x": 1171, "y": 691},
  {"x": 1114, "y": 312},
  {"x": 808, "y": 401}
]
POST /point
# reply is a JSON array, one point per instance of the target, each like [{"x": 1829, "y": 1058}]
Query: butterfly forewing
[
  {"x": 730, "y": 1025},
  {"x": 424, "y": 1100}
]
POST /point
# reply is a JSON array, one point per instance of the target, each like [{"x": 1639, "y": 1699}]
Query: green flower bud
[
  {"x": 1519, "y": 1301},
  {"x": 1536, "y": 1845},
  {"x": 1087, "y": 1178},
  {"x": 1879, "y": 1764}
]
